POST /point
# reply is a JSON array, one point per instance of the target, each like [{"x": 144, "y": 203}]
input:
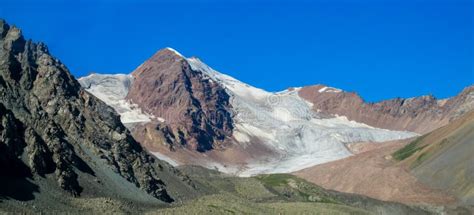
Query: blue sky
[{"x": 379, "y": 48}]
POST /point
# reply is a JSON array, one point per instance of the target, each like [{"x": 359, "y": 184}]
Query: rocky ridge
[
  {"x": 51, "y": 128},
  {"x": 419, "y": 114}
]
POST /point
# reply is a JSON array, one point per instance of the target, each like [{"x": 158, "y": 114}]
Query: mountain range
[
  {"x": 191, "y": 114},
  {"x": 176, "y": 136}
]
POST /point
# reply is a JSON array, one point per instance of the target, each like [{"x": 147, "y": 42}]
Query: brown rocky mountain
[
  {"x": 196, "y": 110},
  {"x": 54, "y": 135},
  {"x": 420, "y": 114}
]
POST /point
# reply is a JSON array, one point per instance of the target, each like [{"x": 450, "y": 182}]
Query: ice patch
[
  {"x": 112, "y": 89},
  {"x": 160, "y": 119},
  {"x": 232, "y": 85},
  {"x": 322, "y": 89},
  {"x": 250, "y": 130},
  {"x": 165, "y": 158},
  {"x": 329, "y": 90},
  {"x": 241, "y": 137},
  {"x": 174, "y": 51}
]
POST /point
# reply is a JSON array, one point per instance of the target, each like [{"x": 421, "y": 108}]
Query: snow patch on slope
[
  {"x": 233, "y": 85},
  {"x": 285, "y": 122},
  {"x": 174, "y": 51},
  {"x": 165, "y": 158},
  {"x": 112, "y": 89},
  {"x": 329, "y": 90}
]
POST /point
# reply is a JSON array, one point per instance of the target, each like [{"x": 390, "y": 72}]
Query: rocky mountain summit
[
  {"x": 196, "y": 109},
  {"x": 53, "y": 130}
]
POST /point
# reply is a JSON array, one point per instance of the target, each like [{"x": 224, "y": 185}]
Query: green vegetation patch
[
  {"x": 312, "y": 208},
  {"x": 229, "y": 204},
  {"x": 275, "y": 179},
  {"x": 419, "y": 159},
  {"x": 273, "y": 194},
  {"x": 253, "y": 189},
  {"x": 294, "y": 189},
  {"x": 408, "y": 150}
]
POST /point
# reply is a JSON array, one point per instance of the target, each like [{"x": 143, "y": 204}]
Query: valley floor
[
  {"x": 223, "y": 194},
  {"x": 373, "y": 173}
]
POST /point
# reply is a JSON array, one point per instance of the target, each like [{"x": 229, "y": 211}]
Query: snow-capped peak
[
  {"x": 233, "y": 86},
  {"x": 286, "y": 123},
  {"x": 283, "y": 122},
  {"x": 174, "y": 51}
]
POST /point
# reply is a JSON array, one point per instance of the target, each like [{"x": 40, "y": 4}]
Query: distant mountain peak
[
  {"x": 167, "y": 52},
  {"x": 172, "y": 50}
]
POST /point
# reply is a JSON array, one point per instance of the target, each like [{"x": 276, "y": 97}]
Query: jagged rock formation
[
  {"x": 420, "y": 114},
  {"x": 196, "y": 109},
  {"x": 51, "y": 128}
]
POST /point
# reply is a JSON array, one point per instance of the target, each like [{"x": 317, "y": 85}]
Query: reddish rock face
[
  {"x": 196, "y": 110},
  {"x": 421, "y": 114}
]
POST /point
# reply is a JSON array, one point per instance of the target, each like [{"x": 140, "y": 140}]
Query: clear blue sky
[{"x": 381, "y": 49}]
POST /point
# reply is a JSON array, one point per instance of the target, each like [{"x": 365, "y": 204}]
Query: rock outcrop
[
  {"x": 420, "y": 114},
  {"x": 50, "y": 127},
  {"x": 196, "y": 110}
]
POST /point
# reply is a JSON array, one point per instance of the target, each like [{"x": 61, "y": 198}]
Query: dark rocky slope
[{"x": 51, "y": 130}]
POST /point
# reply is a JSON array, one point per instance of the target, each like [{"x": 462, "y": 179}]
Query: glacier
[
  {"x": 112, "y": 89},
  {"x": 283, "y": 121}
]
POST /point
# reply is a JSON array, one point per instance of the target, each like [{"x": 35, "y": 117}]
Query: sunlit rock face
[
  {"x": 419, "y": 114},
  {"x": 51, "y": 129}
]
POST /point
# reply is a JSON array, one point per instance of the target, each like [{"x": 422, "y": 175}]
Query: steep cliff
[{"x": 51, "y": 129}]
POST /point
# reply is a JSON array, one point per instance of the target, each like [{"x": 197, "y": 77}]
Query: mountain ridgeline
[
  {"x": 99, "y": 144},
  {"x": 419, "y": 114},
  {"x": 53, "y": 130},
  {"x": 187, "y": 113}
]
